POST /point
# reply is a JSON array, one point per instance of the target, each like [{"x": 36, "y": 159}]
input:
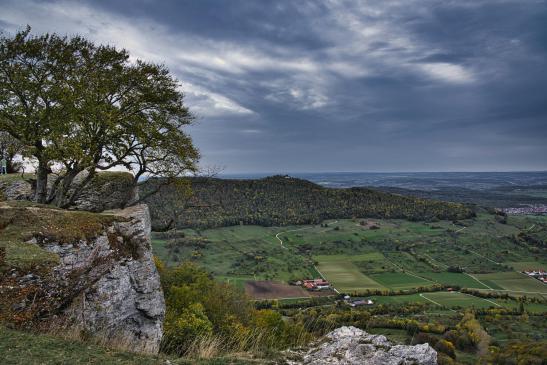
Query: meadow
[{"x": 357, "y": 255}]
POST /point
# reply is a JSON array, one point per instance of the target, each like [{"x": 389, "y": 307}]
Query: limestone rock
[
  {"x": 107, "y": 190},
  {"x": 350, "y": 345},
  {"x": 106, "y": 287},
  {"x": 125, "y": 304},
  {"x": 16, "y": 190}
]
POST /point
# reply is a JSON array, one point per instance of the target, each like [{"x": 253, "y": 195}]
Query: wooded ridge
[{"x": 283, "y": 200}]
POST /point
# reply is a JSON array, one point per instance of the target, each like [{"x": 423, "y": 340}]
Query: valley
[{"x": 391, "y": 262}]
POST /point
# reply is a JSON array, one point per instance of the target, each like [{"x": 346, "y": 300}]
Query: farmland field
[
  {"x": 345, "y": 276},
  {"x": 400, "y": 280},
  {"x": 453, "y": 278},
  {"x": 394, "y": 255},
  {"x": 513, "y": 281},
  {"x": 274, "y": 290}
]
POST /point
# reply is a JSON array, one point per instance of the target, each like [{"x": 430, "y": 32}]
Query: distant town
[
  {"x": 538, "y": 274},
  {"x": 533, "y": 209}
]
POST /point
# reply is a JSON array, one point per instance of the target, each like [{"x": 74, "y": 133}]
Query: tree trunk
[
  {"x": 41, "y": 182},
  {"x": 62, "y": 190}
]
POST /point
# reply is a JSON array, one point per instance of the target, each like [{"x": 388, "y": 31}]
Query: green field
[
  {"x": 526, "y": 265},
  {"x": 513, "y": 281},
  {"x": 345, "y": 276},
  {"x": 399, "y": 255},
  {"x": 452, "y": 278},
  {"x": 400, "y": 280},
  {"x": 456, "y": 300}
]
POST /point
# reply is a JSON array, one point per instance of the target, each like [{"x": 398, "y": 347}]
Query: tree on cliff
[{"x": 78, "y": 107}]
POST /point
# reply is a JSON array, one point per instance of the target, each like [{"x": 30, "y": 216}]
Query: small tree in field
[{"x": 86, "y": 108}]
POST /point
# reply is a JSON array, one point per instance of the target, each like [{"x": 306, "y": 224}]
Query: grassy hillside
[
  {"x": 280, "y": 201},
  {"x": 25, "y": 348}
]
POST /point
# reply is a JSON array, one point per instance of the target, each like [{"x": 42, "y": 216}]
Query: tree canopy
[{"x": 77, "y": 107}]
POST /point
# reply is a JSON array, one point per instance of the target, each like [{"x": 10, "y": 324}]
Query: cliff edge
[{"x": 83, "y": 274}]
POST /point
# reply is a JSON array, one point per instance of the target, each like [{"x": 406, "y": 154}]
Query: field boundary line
[
  {"x": 434, "y": 302},
  {"x": 478, "y": 281},
  {"x": 489, "y": 301},
  {"x": 517, "y": 291},
  {"x": 438, "y": 262},
  {"x": 431, "y": 300},
  {"x": 478, "y": 254},
  {"x": 409, "y": 272},
  {"x": 323, "y": 277}
]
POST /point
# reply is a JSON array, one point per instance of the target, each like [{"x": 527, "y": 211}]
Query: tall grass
[{"x": 257, "y": 342}]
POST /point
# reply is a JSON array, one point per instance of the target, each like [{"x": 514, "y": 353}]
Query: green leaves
[{"x": 79, "y": 107}]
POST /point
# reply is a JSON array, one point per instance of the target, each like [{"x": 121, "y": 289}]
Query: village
[{"x": 538, "y": 274}]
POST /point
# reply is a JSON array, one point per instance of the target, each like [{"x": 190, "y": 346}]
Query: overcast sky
[{"x": 304, "y": 86}]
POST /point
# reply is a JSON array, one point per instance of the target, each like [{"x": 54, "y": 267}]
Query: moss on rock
[{"x": 25, "y": 226}]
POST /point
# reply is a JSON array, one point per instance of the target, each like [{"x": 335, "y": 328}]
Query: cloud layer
[{"x": 338, "y": 85}]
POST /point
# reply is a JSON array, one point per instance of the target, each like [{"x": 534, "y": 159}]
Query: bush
[
  {"x": 446, "y": 347},
  {"x": 207, "y": 317}
]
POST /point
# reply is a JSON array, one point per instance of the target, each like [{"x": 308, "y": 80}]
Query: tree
[
  {"x": 86, "y": 108},
  {"x": 31, "y": 89}
]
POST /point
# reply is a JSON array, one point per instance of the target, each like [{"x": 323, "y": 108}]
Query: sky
[{"x": 337, "y": 85}]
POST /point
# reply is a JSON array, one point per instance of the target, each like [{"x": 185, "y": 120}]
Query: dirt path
[
  {"x": 315, "y": 267},
  {"x": 290, "y": 230}
]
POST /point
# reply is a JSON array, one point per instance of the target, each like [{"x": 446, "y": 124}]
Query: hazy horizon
[{"x": 378, "y": 172}]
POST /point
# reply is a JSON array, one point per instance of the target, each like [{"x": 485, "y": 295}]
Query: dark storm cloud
[{"x": 338, "y": 85}]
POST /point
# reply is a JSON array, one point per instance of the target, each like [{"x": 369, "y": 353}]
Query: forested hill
[{"x": 281, "y": 200}]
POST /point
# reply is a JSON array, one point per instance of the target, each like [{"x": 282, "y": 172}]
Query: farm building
[
  {"x": 538, "y": 274},
  {"x": 358, "y": 303},
  {"x": 316, "y": 284}
]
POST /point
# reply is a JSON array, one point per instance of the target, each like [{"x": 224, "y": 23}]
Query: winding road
[{"x": 301, "y": 229}]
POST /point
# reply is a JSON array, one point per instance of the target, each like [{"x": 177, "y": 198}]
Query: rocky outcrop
[
  {"x": 16, "y": 189},
  {"x": 106, "y": 286},
  {"x": 107, "y": 190},
  {"x": 350, "y": 345}
]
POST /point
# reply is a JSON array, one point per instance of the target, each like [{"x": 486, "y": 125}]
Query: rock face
[
  {"x": 16, "y": 190},
  {"x": 125, "y": 304},
  {"x": 106, "y": 287},
  {"x": 107, "y": 190},
  {"x": 350, "y": 345}
]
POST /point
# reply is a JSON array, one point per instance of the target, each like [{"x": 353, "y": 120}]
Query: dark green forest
[{"x": 282, "y": 200}]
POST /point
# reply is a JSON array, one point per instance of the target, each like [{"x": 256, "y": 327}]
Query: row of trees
[{"x": 73, "y": 107}]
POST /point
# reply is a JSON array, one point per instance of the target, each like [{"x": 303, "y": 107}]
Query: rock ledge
[{"x": 350, "y": 345}]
